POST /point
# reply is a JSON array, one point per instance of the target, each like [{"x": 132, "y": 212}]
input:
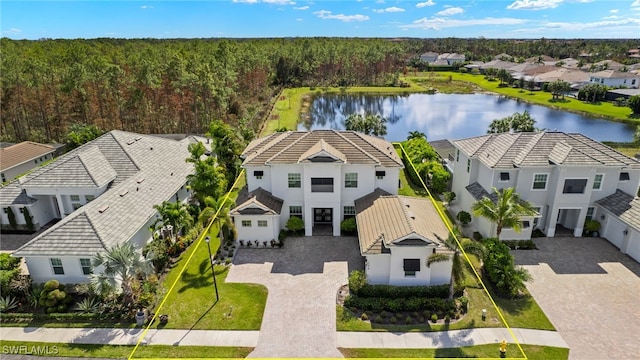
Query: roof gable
[
  {"x": 257, "y": 199},
  {"x": 322, "y": 151}
]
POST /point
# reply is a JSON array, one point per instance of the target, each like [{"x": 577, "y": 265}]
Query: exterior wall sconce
[
  {"x": 625, "y": 232},
  {"x": 602, "y": 217}
]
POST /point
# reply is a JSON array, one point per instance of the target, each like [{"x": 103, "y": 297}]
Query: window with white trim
[
  {"x": 540, "y": 181},
  {"x": 262, "y": 223},
  {"x": 590, "y": 211},
  {"x": 349, "y": 211},
  {"x": 351, "y": 180},
  {"x": 85, "y": 264},
  {"x": 294, "y": 180},
  {"x": 56, "y": 264},
  {"x": 295, "y": 210},
  {"x": 597, "y": 181},
  {"x": 246, "y": 223},
  {"x": 411, "y": 266}
]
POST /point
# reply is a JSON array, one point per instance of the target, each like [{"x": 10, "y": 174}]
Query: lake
[{"x": 452, "y": 116}]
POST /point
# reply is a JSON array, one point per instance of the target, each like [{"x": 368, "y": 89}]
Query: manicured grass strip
[
  {"x": 604, "y": 109},
  {"x": 121, "y": 351},
  {"x": 489, "y": 351},
  {"x": 191, "y": 296}
]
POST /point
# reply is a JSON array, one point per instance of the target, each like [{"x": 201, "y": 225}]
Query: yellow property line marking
[
  {"x": 197, "y": 244},
  {"x": 442, "y": 216}
]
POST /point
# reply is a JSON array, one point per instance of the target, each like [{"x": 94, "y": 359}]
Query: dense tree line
[
  {"x": 179, "y": 86},
  {"x": 172, "y": 86}
]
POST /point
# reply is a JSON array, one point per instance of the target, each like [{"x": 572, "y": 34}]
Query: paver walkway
[
  {"x": 591, "y": 293},
  {"x": 303, "y": 279}
]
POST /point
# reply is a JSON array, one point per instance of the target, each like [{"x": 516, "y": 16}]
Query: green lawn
[
  {"x": 489, "y": 351},
  {"x": 192, "y": 304},
  {"x": 123, "y": 351},
  {"x": 604, "y": 109}
]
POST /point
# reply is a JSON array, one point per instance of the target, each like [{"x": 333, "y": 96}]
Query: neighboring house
[
  {"x": 615, "y": 78},
  {"x": 620, "y": 218},
  {"x": 452, "y": 58},
  {"x": 607, "y": 65},
  {"x": 19, "y": 158},
  {"x": 397, "y": 234},
  {"x": 575, "y": 78},
  {"x": 562, "y": 175},
  {"x": 104, "y": 193},
  {"x": 613, "y": 94},
  {"x": 429, "y": 57},
  {"x": 324, "y": 177}
]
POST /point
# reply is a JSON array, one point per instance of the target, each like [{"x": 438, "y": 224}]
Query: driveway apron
[
  {"x": 591, "y": 293},
  {"x": 303, "y": 279}
]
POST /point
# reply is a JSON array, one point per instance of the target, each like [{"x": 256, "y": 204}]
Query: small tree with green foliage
[
  {"x": 559, "y": 88},
  {"x": 28, "y": 218},
  {"x": 449, "y": 196},
  {"x": 12, "y": 218},
  {"x": 370, "y": 124},
  {"x": 464, "y": 217},
  {"x": 295, "y": 224},
  {"x": 634, "y": 103},
  {"x": 349, "y": 226},
  {"x": 80, "y": 134},
  {"x": 357, "y": 280}
]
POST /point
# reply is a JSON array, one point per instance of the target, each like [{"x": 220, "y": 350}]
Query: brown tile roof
[
  {"x": 289, "y": 148},
  {"x": 19, "y": 153},
  {"x": 624, "y": 206},
  {"x": 534, "y": 149},
  {"x": 385, "y": 219},
  {"x": 259, "y": 198}
]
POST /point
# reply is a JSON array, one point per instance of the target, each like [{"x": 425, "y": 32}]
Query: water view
[{"x": 450, "y": 116}]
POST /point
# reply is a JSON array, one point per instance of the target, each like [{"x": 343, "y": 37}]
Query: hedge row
[
  {"x": 400, "y": 292},
  {"x": 400, "y": 304}
]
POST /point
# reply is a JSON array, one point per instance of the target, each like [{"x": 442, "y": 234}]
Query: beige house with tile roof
[
  {"x": 20, "y": 158},
  {"x": 396, "y": 235},
  {"x": 103, "y": 193},
  {"x": 326, "y": 176},
  {"x": 563, "y": 175}
]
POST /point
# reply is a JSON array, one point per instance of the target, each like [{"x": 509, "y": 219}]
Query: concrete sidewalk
[{"x": 390, "y": 340}]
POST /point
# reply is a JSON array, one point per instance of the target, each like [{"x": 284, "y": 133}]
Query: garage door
[
  {"x": 634, "y": 245},
  {"x": 613, "y": 231}
]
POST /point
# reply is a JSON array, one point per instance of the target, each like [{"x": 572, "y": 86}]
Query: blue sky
[{"x": 281, "y": 18}]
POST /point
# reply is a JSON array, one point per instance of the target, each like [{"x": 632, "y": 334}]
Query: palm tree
[
  {"x": 416, "y": 135},
  {"x": 222, "y": 206},
  {"x": 122, "y": 264},
  {"x": 505, "y": 212},
  {"x": 175, "y": 214},
  {"x": 469, "y": 247}
]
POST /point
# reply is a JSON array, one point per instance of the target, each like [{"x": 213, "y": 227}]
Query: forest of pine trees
[{"x": 181, "y": 85}]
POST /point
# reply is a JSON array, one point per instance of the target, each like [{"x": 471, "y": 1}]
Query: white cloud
[
  {"x": 442, "y": 23},
  {"x": 302, "y": 8},
  {"x": 614, "y": 11},
  {"x": 146, "y": 7},
  {"x": 450, "y": 11},
  {"x": 576, "y": 26},
  {"x": 279, "y": 2},
  {"x": 426, "y": 3},
  {"x": 612, "y": 17},
  {"x": 635, "y": 3},
  {"x": 325, "y": 14},
  {"x": 389, "y": 10},
  {"x": 246, "y": 1},
  {"x": 534, "y": 4},
  {"x": 299, "y": 19},
  {"x": 12, "y": 31}
]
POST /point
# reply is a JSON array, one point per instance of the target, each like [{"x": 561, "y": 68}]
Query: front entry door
[{"x": 322, "y": 215}]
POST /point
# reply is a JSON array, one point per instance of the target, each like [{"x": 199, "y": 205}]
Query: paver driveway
[
  {"x": 303, "y": 279},
  {"x": 590, "y": 292}
]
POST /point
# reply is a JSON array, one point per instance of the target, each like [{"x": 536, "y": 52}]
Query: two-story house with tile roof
[
  {"x": 326, "y": 176},
  {"x": 20, "y": 158},
  {"x": 565, "y": 176},
  {"x": 103, "y": 193}
]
